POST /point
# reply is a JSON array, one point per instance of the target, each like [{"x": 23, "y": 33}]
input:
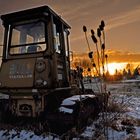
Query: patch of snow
[
  {"x": 23, "y": 135},
  {"x": 138, "y": 132},
  {"x": 68, "y": 102},
  {"x": 131, "y": 81},
  {"x": 116, "y": 135},
  {"x": 65, "y": 110},
  {"x": 89, "y": 132},
  {"x": 72, "y": 100},
  {"x": 4, "y": 96}
]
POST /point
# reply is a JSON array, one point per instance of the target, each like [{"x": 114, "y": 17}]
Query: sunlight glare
[{"x": 112, "y": 67}]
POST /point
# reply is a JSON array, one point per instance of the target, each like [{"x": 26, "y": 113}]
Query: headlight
[
  {"x": 40, "y": 82},
  {"x": 40, "y": 66}
]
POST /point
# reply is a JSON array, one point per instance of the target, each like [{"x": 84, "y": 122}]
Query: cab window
[
  {"x": 57, "y": 36},
  {"x": 27, "y": 38}
]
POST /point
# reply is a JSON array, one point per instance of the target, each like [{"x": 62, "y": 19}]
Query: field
[
  {"x": 123, "y": 116},
  {"x": 121, "y": 121}
]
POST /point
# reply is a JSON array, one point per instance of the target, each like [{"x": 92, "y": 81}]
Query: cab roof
[{"x": 29, "y": 14}]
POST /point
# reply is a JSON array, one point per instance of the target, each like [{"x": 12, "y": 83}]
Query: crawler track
[{"x": 58, "y": 122}]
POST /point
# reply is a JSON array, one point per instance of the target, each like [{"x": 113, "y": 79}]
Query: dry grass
[{"x": 116, "y": 107}]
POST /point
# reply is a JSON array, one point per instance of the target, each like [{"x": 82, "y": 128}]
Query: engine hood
[{"x": 17, "y": 73}]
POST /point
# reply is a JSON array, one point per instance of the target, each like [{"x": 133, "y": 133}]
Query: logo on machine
[{"x": 18, "y": 71}]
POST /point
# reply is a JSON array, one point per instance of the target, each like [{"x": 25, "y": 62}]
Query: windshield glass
[{"x": 28, "y": 38}]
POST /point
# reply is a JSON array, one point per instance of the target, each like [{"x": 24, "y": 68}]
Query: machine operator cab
[{"x": 36, "y": 50}]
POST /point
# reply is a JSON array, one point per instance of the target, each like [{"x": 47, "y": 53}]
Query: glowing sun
[{"x": 112, "y": 67}]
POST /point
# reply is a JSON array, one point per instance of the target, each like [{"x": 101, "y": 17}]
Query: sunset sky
[{"x": 122, "y": 19}]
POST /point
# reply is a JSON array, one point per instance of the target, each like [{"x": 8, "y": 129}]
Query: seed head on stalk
[
  {"x": 98, "y": 32},
  {"x": 92, "y": 32},
  {"x": 85, "y": 31},
  {"x": 94, "y": 39},
  {"x": 84, "y": 28},
  {"x": 102, "y": 24}
]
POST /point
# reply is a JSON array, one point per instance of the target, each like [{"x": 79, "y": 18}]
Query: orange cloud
[
  {"x": 116, "y": 56},
  {"x": 119, "y": 56}
]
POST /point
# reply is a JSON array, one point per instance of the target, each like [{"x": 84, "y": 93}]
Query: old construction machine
[{"x": 35, "y": 70}]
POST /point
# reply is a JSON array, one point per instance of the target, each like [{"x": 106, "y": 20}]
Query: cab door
[{"x": 62, "y": 55}]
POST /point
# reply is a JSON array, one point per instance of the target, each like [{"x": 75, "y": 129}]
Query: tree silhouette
[{"x": 136, "y": 72}]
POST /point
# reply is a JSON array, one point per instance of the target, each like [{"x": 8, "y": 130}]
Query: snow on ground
[
  {"x": 127, "y": 93},
  {"x": 24, "y": 135}
]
